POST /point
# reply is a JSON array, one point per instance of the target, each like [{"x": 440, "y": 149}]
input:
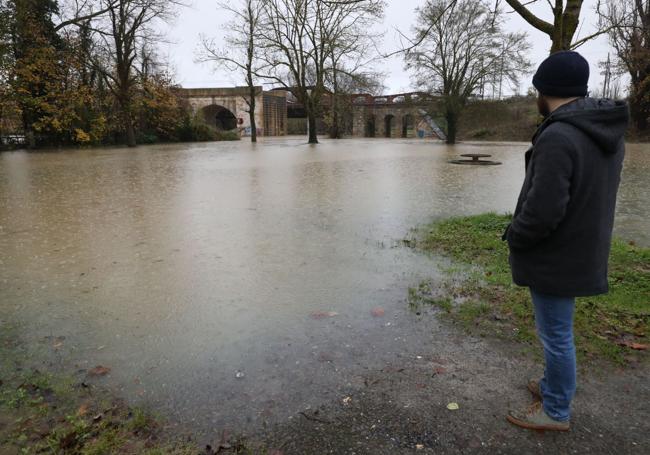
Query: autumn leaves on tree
[{"x": 76, "y": 81}]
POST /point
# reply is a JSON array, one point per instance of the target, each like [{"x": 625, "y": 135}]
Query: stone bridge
[
  {"x": 399, "y": 115},
  {"x": 225, "y": 109}
]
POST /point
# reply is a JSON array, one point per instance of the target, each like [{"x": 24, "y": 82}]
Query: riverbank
[
  {"x": 197, "y": 134},
  {"x": 398, "y": 409},
  {"x": 511, "y": 119},
  {"x": 43, "y": 410},
  {"x": 615, "y": 326}
]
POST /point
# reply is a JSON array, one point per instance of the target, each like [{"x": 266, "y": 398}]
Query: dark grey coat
[{"x": 561, "y": 231}]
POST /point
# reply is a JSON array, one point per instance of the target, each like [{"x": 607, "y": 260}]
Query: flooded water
[{"x": 229, "y": 284}]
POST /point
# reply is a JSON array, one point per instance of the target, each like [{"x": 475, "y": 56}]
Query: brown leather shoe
[
  {"x": 534, "y": 389},
  {"x": 534, "y": 418}
]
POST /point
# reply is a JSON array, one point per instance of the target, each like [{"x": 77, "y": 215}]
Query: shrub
[{"x": 231, "y": 135}]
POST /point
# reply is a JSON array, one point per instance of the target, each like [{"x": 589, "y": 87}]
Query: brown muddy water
[{"x": 232, "y": 285}]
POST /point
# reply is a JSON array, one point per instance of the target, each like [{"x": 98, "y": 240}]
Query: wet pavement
[{"x": 232, "y": 285}]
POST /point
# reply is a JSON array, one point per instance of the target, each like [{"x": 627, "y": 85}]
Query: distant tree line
[
  {"x": 85, "y": 72},
  {"x": 311, "y": 48},
  {"x": 460, "y": 45}
]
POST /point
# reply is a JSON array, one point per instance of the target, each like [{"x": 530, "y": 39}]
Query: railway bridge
[
  {"x": 226, "y": 109},
  {"x": 399, "y": 115}
]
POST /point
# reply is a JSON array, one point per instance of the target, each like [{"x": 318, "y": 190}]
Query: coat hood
[{"x": 603, "y": 120}]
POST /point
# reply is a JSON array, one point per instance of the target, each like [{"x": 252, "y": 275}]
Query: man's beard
[{"x": 542, "y": 106}]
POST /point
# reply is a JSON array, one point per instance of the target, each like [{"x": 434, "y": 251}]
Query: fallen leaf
[
  {"x": 58, "y": 342},
  {"x": 453, "y": 406},
  {"x": 99, "y": 371},
  {"x": 635, "y": 346},
  {"x": 377, "y": 312},
  {"x": 439, "y": 370},
  {"x": 323, "y": 314},
  {"x": 83, "y": 410}
]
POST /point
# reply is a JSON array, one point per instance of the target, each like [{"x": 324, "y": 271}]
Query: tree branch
[{"x": 529, "y": 17}]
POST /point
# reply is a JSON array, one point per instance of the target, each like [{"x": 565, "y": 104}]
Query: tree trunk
[
  {"x": 639, "y": 112},
  {"x": 564, "y": 26},
  {"x": 335, "y": 132},
  {"x": 251, "y": 115},
  {"x": 452, "y": 125},
  {"x": 311, "y": 125},
  {"x": 128, "y": 127},
  {"x": 30, "y": 137}
]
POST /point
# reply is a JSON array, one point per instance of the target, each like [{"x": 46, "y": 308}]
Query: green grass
[{"x": 487, "y": 300}]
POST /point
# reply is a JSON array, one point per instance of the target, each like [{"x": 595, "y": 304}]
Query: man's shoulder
[{"x": 558, "y": 134}]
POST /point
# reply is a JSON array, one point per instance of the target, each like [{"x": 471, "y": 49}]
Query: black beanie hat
[{"x": 563, "y": 74}]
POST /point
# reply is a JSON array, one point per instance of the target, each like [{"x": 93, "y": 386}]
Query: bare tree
[
  {"x": 629, "y": 25},
  {"x": 81, "y": 12},
  {"x": 240, "y": 52},
  {"x": 461, "y": 47},
  {"x": 127, "y": 26},
  {"x": 352, "y": 52},
  {"x": 298, "y": 38},
  {"x": 566, "y": 18}
]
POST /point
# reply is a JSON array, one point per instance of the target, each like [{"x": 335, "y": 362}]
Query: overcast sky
[{"x": 205, "y": 17}]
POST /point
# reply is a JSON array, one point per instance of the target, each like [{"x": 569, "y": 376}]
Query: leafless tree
[
  {"x": 461, "y": 47},
  {"x": 566, "y": 19},
  {"x": 352, "y": 54},
  {"x": 629, "y": 24},
  {"x": 129, "y": 23},
  {"x": 298, "y": 40},
  {"x": 81, "y": 12},
  {"x": 240, "y": 52}
]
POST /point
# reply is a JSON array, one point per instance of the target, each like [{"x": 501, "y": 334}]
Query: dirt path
[{"x": 403, "y": 408}]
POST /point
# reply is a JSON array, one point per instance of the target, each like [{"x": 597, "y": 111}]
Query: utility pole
[
  {"x": 501, "y": 71},
  {"x": 608, "y": 78}
]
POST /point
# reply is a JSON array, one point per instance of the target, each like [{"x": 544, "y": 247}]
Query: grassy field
[
  {"x": 479, "y": 294},
  {"x": 513, "y": 119}
]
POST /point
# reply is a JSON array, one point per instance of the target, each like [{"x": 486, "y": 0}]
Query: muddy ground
[{"x": 403, "y": 408}]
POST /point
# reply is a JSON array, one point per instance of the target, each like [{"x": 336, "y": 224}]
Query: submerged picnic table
[
  {"x": 475, "y": 159},
  {"x": 476, "y": 156}
]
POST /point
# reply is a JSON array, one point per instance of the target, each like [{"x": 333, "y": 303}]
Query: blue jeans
[{"x": 554, "y": 322}]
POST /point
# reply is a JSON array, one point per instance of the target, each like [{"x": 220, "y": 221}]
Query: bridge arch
[
  {"x": 407, "y": 124},
  {"x": 388, "y": 124},
  {"x": 370, "y": 126},
  {"x": 219, "y": 117}
]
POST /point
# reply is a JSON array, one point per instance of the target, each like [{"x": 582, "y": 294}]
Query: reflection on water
[{"x": 180, "y": 265}]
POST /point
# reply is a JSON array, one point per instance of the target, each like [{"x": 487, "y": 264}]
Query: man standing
[{"x": 561, "y": 231}]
